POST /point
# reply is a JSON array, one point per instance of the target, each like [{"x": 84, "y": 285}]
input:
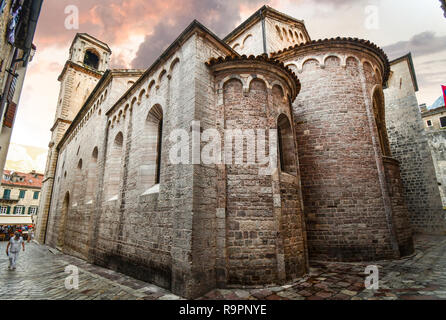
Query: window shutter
[
  {"x": 15, "y": 210},
  {"x": 9, "y": 210},
  {"x": 29, "y": 210}
]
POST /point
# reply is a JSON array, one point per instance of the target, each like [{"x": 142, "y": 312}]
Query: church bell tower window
[{"x": 91, "y": 59}]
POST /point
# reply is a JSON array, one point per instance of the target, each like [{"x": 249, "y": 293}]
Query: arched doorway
[{"x": 63, "y": 220}]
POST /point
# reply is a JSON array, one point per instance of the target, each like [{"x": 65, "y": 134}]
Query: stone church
[{"x": 112, "y": 196}]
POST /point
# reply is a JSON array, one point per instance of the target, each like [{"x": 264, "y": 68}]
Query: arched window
[
  {"x": 63, "y": 221},
  {"x": 287, "y": 151},
  {"x": 91, "y": 59},
  {"x": 159, "y": 150},
  {"x": 114, "y": 167},
  {"x": 92, "y": 175},
  {"x": 380, "y": 120},
  {"x": 151, "y": 143},
  {"x": 155, "y": 123}
]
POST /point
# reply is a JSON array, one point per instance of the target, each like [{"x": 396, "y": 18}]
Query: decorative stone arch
[
  {"x": 308, "y": 59},
  {"x": 257, "y": 77},
  {"x": 291, "y": 35},
  {"x": 140, "y": 96},
  {"x": 261, "y": 79},
  {"x": 126, "y": 108},
  {"x": 120, "y": 113},
  {"x": 284, "y": 91},
  {"x": 160, "y": 77},
  {"x": 285, "y": 34},
  {"x": 364, "y": 62},
  {"x": 279, "y": 32},
  {"x": 235, "y": 46},
  {"x": 173, "y": 64},
  {"x": 379, "y": 112},
  {"x": 150, "y": 86},
  {"x": 292, "y": 66},
  {"x": 349, "y": 57},
  {"x": 329, "y": 55},
  {"x": 378, "y": 74},
  {"x": 223, "y": 83},
  {"x": 297, "y": 37},
  {"x": 245, "y": 39},
  {"x": 134, "y": 100}
]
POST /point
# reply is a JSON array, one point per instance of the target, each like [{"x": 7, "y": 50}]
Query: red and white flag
[{"x": 443, "y": 88}]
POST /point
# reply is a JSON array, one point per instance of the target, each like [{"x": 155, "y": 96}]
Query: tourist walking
[{"x": 13, "y": 250}]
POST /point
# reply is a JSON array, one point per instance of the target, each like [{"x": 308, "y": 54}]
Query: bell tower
[{"x": 88, "y": 60}]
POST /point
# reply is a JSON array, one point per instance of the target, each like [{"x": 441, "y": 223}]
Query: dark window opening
[
  {"x": 443, "y": 122},
  {"x": 287, "y": 151},
  {"x": 159, "y": 148},
  {"x": 91, "y": 60}
]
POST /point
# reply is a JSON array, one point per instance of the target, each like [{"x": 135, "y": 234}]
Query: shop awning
[{"x": 15, "y": 220}]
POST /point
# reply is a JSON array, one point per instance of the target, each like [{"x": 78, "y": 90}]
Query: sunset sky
[{"x": 139, "y": 30}]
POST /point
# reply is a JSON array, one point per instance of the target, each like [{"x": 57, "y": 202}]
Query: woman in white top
[{"x": 13, "y": 250}]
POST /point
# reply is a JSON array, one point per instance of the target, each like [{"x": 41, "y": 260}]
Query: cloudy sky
[{"x": 139, "y": 30}]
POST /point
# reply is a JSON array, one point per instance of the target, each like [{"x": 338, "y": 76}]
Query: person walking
[{"x": 13, "y": 250}]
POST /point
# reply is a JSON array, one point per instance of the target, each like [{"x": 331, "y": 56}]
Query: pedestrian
[
  {"x": 30, "y": 234},
  {"x": 13, "y": 250}
]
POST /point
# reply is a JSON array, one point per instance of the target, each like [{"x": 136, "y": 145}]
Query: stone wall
[
  {"x": 437, "y": 144},
  {"x": 161, "y": 233},
  {"x": 409, "y": 145},
  {"x": 264, "y": 240},
  {"x": 347, "y": 205}
]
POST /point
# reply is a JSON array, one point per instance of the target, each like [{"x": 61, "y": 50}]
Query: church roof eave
[{"x": 194, "y": 25}]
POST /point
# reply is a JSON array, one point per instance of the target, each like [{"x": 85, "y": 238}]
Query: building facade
[
  {"x": 20, "y": 193},
  {"x": 435, "y": 126},
  {"x": 18, "y": 20},
  {"x": 145, "y": 174},
  {"x": 409, "y": 144}
]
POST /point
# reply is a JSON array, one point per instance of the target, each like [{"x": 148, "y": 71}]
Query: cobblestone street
[{"x": 41, "y": 275}]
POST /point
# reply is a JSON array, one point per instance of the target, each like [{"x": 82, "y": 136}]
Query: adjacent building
[
  {"x": 20, "y": 196},
  {"x": 435, "y": 126},
  {"x": 409, "y": 144},
  {"x": 18, "y": 20}
]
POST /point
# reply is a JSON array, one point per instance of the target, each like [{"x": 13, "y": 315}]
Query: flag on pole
[{"x": 443, "y": 88}]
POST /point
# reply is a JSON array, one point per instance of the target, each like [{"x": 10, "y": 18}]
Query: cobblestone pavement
[{"x": 41, "y": 275}]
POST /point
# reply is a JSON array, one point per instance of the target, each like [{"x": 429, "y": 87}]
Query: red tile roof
[{"x": 31, "y": 180}]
